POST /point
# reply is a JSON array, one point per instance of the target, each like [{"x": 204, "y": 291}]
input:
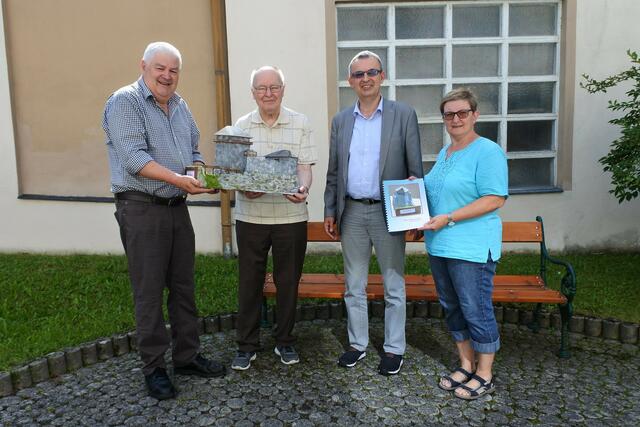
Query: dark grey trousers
[
  {"x": 288, "y": 243},
  {"x": 160, "y": 247}
]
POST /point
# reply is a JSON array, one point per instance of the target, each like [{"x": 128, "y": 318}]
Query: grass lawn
[{"x": 50, "y": 302}]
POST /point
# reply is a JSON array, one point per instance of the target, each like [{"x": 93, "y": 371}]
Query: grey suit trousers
[{"x": 362, "y": 227}]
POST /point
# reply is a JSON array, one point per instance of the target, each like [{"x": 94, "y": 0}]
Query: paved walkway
[{"x": 598, "y": 386}]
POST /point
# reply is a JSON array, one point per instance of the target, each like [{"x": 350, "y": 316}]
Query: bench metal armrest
[{"x": 568, "y": 283}]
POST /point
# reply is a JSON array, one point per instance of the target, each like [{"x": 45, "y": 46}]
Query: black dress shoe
[
  {"x": 159, "y": 385},
  {"x": 202, "y": 367}
]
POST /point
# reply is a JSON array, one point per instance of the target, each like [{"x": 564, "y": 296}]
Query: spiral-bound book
[{"x": 405, "y": 204}]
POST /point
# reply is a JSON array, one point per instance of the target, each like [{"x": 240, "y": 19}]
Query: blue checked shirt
[{"x": 138, "y": 131}]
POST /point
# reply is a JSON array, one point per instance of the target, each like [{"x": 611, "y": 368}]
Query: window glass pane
[
  {"x": 476, "y": 21},
  {"x": 476, "y": 61},
  {"x": 488, "y": 95},
  {"x": 348, "y": 96},
  {"x": 535, "y": 59},
  {"x": 419, "y": 62},
  {"x": 362, "y": 24},
  {"x": 419, "y": 22},
  {"x": 532, "y": 20},
  {"x": 530, "y": 173},
  {"x": 431, "y": 138},
  {"x": 427, "y": 166},
  {"x": 529, "y": 135},
  {"x": 534, "y": 97},
  {"x": 424, "y": 99},
  {"x": 346, "y": 55},
  {"x": 488, "y": 130}
]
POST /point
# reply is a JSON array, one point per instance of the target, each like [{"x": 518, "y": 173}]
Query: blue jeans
[{"x": 465, "y": 289}]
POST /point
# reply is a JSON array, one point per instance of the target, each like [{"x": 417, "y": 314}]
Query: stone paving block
[
  {"x": 322, "y": 311},
  {"x": 435, "y": 310},
  {"x": 592, "y": 327},
  {"x": 212, "y": 324},
  {"x": 421, "y": 309},
  {"x": 525, "y": 317},
  {"x": 57, "y": 363},
  {"x": 73, "y": 357},
  {"x": 556, "y": 320},
  {"x": 6, "y": 385},
  {"x": 21, "y": 378},
  {"x": 335, "y": 308},
  {"x": 89, "y": 354},
  {"x": 308, "y": 312},
  {"x": 201, "y": 329},
  {"x": 133, "y": 340},
  {"x": 511, "y": 315},
  {"x": 39, "y": 370},
  {"x": 226, "y": 322},
  {"x": 105, "y": 349},
  {"x": 120, "y": 344},
  {"x": 498, "y": 311},
  {"x": 610, "y": 329},
  {"x": 629, "y": 333},
  {"x": 409, "y": 309},
  {"x": 576, "y": 324},
  {"x": 544, "y": 320},
  {"x": 377, "y": 309}
]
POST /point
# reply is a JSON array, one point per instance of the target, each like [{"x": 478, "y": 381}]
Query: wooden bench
[{"x": 507, "y": 288}]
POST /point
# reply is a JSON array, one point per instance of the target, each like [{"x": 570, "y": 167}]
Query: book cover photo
[{"x": 405, "y": 204}]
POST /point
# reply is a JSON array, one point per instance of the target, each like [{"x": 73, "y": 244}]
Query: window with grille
[{"x": 507, "y": 52}]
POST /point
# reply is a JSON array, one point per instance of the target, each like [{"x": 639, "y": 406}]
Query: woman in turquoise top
[{"x": 465, "y": 189}]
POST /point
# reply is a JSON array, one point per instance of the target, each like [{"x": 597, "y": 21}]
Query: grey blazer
[{"x": 400, "y": 154}]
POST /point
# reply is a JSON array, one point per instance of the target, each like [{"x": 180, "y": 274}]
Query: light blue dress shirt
[
  {"x": 363, "y": 179},
  {"x": 478, "y": 170}
]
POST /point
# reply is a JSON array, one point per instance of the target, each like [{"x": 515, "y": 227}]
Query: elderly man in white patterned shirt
[{"x": 272, "y": 221}]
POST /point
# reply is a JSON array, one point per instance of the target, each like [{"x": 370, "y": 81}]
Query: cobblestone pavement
[{"x": 597, "y": 386}]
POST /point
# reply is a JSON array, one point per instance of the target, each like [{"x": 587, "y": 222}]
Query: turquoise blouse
[{"x": 480, "y": 169}]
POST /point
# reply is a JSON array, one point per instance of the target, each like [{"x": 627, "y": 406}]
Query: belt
[
  {"x": 364, "y": 201},
  {"x": 147, "y": 198}
]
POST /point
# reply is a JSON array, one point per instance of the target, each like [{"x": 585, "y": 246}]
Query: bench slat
[
  {"x": 512, "y": 232},
  {"x": 498, "y": 281}
]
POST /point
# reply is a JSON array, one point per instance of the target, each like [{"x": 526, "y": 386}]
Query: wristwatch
[{"x": 450, "y": 221}]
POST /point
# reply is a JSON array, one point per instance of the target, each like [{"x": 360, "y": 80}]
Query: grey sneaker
[
  {"x": 243, "y": 360},
  {"x": 287, "y": 354}
]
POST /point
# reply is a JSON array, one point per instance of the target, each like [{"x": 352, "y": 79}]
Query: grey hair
[
  {"x": 361, "y": 55},
  {"x": 265, "y": 68},
  {"x": 161, "y": 47}
]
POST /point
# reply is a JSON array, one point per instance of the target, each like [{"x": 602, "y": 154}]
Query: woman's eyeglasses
[
  {"x": 462, "y": 114},
  {"x": 372, "y": 72}
]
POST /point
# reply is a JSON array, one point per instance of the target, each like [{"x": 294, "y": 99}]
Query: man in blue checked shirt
[{"x": 151, "y": 139}]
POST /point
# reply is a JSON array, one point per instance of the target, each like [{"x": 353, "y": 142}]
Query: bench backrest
[{"x": 512, "y": 232}]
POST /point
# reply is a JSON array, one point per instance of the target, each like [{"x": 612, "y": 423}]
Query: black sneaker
[
  {"x": 159, "y": 385},
  {"x": 243, "y": 360},
  {"x": 201, "y": 367},
  {"x": 390, "y": 364},
  {"x": 287, "y": 354},
  {"x": 351, "y": 357}
]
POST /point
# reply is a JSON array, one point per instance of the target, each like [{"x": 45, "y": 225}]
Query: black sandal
[
  {"x": 453, "y": 383},
  {"x": 485, "y": 387}
]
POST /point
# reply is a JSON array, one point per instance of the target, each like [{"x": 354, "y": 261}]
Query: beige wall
[
  {"x": 62, "y": 74},
  {"x": 58, "y": 99},
  {"x": 284, "y": 33}
]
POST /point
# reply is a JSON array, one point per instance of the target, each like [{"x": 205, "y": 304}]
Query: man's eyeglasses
[
  {"x": 261, "y": 90},
  {"x": 462, "y": 114},
  {"x": 372, "y": 72}
]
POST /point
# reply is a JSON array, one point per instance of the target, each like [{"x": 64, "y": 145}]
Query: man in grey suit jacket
[{"x": 375, "y": 140}]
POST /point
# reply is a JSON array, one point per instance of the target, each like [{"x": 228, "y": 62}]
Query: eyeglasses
[
  {"x": 372, "y": 72},
  {"x": 261, "y": 90},
  {"x": 462, "y": 114}
]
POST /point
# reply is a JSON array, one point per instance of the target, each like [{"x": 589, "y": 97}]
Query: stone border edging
[{"x": 71, "y": 359}]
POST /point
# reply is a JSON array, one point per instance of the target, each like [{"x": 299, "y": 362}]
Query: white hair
[
  {"x": 265, "y": 68},
  {"x": 161, "y": 47},
  {"x": 361, "y": 55}
]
